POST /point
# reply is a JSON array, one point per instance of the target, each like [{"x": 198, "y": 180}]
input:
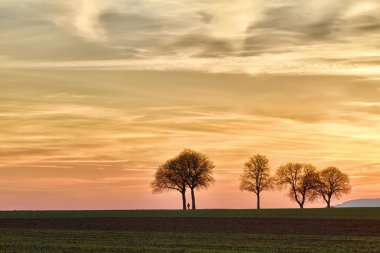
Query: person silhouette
[{"x": 188, "y": 205}]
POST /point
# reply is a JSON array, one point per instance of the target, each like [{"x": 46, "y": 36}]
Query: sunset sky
[{"x": 95, "y": 95}]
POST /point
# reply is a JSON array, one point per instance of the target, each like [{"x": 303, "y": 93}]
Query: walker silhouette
[{"x": 188, "y": 205}]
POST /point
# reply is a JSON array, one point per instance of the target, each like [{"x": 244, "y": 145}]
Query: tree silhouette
[
  {"x": 199, "y": 170},
  {"x": 300, "y": 179},
  {"x": 332, "y": 182},
  {"x": 170, "y": 176},
  {"x": 256, "y": 176}
]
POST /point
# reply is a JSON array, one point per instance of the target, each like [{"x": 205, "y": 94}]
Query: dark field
[
  {"x": 339, "y": 213},
  {"x": 309, "y": 230},
  {"x": 204, "y": 225}
]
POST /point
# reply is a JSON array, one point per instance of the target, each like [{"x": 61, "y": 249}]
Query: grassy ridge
[
  {"x": 336, "y": 213},
  {"x": 59, "y": 241}
]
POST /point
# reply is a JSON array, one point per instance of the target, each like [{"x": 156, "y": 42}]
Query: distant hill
[{"x": 360, "y": 203}]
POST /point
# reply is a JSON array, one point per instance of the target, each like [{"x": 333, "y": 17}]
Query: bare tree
[
  {"x": 199, "y": 170},
  {"x": 170, "y": 176},
  {"x": 300, "y": 179},
  {"x": 256, "y": 176},
  {"x": 332, "y": 182}
]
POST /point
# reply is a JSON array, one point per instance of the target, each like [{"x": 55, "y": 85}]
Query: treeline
[{"x": 303, "y": 182}]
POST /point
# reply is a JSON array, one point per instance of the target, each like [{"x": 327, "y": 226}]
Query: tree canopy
[
  {"x": 332, "y": 183},
  {"x": 299, "y": 179},
  {"x": 199, "y": 169},
  {"x": 171, "y": 176},
  {"x": 256, "y": 176},
  {"x": 188, "y": 169}
]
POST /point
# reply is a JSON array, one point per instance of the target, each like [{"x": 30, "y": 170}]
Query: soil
[{"x": 225, "y": 225}]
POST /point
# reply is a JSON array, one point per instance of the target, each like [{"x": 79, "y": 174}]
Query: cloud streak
[
  {"x": 81, "y": 17},
  {"x": 314, "y": 37},
  {"x": 87, "y": 130}
]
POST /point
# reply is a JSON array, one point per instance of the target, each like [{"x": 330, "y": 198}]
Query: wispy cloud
[
  {"x": 314, "y": 37},
  {"x": 81, "y": 17}
]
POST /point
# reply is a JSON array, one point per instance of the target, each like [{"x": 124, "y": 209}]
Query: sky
[{"x": 95, "y": 95}]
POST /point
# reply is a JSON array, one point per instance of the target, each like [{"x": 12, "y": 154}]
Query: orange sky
[{"x": 94, "y": 96}]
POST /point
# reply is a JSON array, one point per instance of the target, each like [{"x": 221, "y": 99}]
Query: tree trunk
[
  {"x": 328, "y": 202},
  {"x": 296, "y": 199},
  {"x": 303, "y": 200},
  {"x": 192, "y": 199},
  {"x": 258, "y": 200},
  {"x": 183, "y": 200},
  {"x": 300, "y": 203}
]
